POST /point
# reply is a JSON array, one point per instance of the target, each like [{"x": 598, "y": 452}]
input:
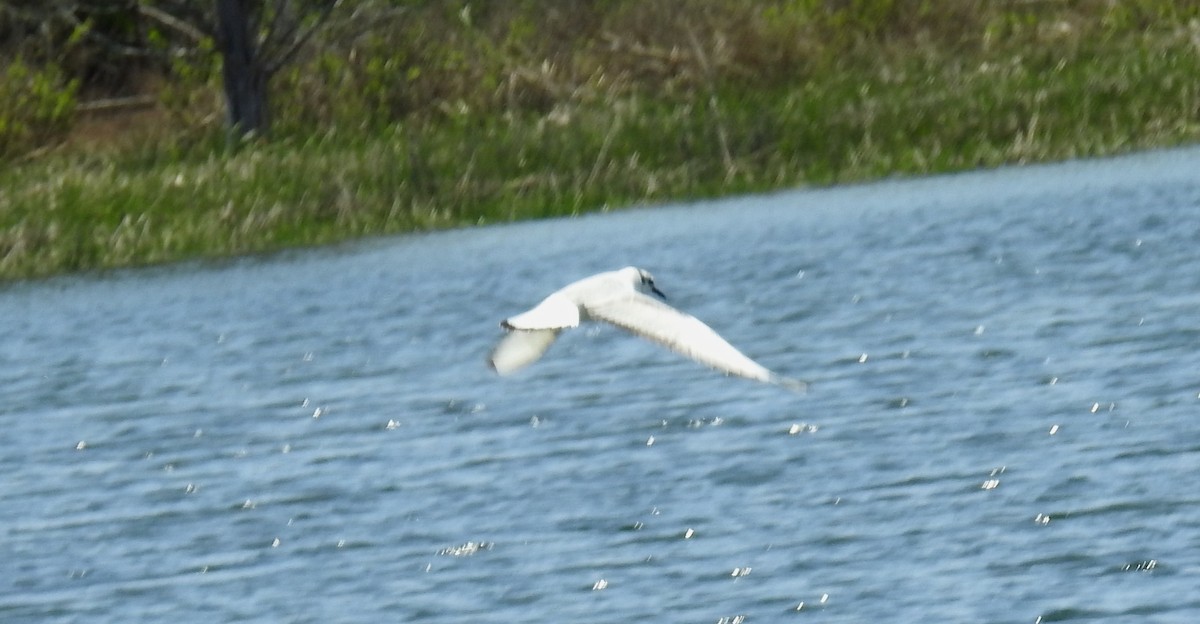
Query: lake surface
[{"x": 1002, "y": 424}]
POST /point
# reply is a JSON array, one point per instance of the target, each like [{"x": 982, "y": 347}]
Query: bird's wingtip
[{"x": 795, "y": 385}]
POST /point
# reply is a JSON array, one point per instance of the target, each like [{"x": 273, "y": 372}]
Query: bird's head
[{"x": 644, "y": 282}]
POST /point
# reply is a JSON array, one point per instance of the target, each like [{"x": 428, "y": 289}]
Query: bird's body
[{"x": 619, "y": 298}]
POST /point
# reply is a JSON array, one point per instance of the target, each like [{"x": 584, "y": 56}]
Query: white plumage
[{"x": 619, "y": 298}]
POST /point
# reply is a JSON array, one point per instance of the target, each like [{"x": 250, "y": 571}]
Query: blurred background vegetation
[{"x": 394, "y": 115}]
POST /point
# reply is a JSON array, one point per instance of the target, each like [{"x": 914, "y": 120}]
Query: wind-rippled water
[{"x": 1002, "y": 423}]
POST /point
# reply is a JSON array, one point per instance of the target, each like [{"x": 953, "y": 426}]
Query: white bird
[{"x": 619, "y": 298}]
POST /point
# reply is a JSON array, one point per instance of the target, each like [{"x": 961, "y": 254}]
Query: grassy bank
[{"x": 455, "y": 114}]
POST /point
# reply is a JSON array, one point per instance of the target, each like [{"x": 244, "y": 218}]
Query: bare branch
[
  {"x": 194, "y": 34},
  {"x": 117, "y": 103},
  {"x": 298, "y": 42},
  {"x": 271, "y": 40}
]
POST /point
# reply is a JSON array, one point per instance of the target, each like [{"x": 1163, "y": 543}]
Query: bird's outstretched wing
[
  {"x": 520, "y": 348},
  {"x": 532, "y": 332},
  {"x": 683, "y": 333},
  {"x": 554, "y": 312}
]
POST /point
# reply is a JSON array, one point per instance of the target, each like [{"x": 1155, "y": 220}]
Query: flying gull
[{"x": 620, "y": 298}]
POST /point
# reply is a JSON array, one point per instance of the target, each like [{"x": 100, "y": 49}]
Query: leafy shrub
[{"x": 37, "y": 106}]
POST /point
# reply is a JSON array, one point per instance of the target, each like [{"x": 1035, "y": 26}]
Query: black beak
[{"x": 654, "y": 289}]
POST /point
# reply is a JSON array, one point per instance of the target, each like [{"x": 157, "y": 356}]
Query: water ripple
[{"x": 1000, "y": 425}]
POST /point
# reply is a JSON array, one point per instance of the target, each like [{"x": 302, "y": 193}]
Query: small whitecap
[
  {"x": 799, "y": 428},
  {"x": 465, "y": 550},
  {"x": 1147, "y": 565},
  {"x": 599, "y": 585}
]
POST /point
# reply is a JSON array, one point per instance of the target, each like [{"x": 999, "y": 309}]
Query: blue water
[{"x": 1002, "y": 423}]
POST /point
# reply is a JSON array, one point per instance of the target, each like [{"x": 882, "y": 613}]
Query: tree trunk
[{"x": 245, "y": 77}]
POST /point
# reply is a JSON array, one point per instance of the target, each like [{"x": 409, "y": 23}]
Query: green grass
[{"x": 481, "y": 125}]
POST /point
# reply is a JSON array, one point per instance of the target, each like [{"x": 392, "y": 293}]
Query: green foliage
[
  {"x": 428, "y": 114},
  {"x": 37, "y": 105}
]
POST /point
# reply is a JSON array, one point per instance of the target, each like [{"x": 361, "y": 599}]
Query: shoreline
[{"x": 216, "y": 262}]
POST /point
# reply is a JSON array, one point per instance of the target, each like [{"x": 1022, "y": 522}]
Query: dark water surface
[{"x": 1002, "y": 425}]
